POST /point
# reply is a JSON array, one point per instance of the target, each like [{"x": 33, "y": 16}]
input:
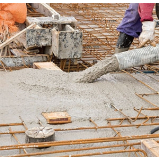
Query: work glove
[{"x": 147, "y": 35}]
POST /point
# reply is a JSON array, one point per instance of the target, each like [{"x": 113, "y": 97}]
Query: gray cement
[{"x": 29, "y": 92}]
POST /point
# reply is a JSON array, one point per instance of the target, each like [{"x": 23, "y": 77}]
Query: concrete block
[
  {"x": 38, "y": 38},
  {"x": 13, "y": 61},
  {"x": 49, "y": 20},
  {"x": 67, "y": 44},
  {"x": 151, "y": 147}
]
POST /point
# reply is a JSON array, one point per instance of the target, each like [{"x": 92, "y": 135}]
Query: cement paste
[{"x": 109, "y": 64}]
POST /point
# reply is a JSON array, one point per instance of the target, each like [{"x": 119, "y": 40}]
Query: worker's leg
[{"x": 129, "y": 28}]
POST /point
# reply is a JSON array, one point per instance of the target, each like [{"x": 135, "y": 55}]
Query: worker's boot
[{"x": 123, "y": 43}]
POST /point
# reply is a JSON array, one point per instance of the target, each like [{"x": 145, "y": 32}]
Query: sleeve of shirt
[{"x": 145, "y": 11}]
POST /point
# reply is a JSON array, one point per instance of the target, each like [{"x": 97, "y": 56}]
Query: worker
[{"x": 137, "y": 22}]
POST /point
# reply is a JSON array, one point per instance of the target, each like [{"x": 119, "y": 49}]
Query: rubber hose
[
  {"x": 154, "y": 130},
  {"x": 137, "y": 57}
]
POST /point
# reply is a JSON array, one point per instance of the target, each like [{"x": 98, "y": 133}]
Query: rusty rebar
[
  {"x": 108, "y": 152},
  {"x": 99, "y": 31},
  {"x": 115, "y": 119},
  {"x": 144, "y": 74},
  {"x": 17, "y": 139},
  {"x": 11, "y": 124},
  {"x": 23, "y": 123},
  {"x": 119, "y": 134},
  {"x": 140, "y": 96},
  {"x": 76, "y": 149},
  {"x": 141, "y": 81},
  {"x": 128, "y": 118},
  {"x": 93, "y": 122},
  {"x": 99, "y": 127},
  {"x": 80, "y": 141}
]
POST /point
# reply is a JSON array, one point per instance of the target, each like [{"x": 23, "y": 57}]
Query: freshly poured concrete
[
  {"x": 109, "y": 64},
  {"x": 29, "y": 92}
]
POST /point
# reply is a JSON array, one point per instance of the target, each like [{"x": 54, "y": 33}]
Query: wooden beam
[
  {"x": 46, "y": 65},
  {"x": 15, "y": 36},
  {"x": 18, "y": 52},
  {"x": 151, "y": 147}
]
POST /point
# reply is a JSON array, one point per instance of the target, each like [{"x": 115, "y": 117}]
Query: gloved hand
[{"x": 148, "y": 29}]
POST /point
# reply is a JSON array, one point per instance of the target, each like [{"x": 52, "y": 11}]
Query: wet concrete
[{"x": 29, "y": 92}]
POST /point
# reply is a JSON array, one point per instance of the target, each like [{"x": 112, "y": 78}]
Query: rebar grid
[
  {"x": 98, "y": 22},
  {"x": 78, "y": 141},
  {"x": 91, "y": 53},
  {"x": 81, "y": 141}
]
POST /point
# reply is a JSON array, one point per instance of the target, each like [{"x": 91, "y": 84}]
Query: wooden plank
[
  {"x": 46, "y": 65},
  {"x": 18, "y": 52},
  {"x": 151, "y": 147},
  {"x": 57, "y": 117},
  {"x": 15, "y": 36}
]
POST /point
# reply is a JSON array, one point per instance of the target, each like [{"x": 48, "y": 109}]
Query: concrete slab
[{"x": 29, "y": 92}]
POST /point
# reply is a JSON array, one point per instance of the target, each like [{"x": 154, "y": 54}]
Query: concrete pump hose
[
  {"x": 137, "y": 57},
  {"x": 119, "y": 61}
]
